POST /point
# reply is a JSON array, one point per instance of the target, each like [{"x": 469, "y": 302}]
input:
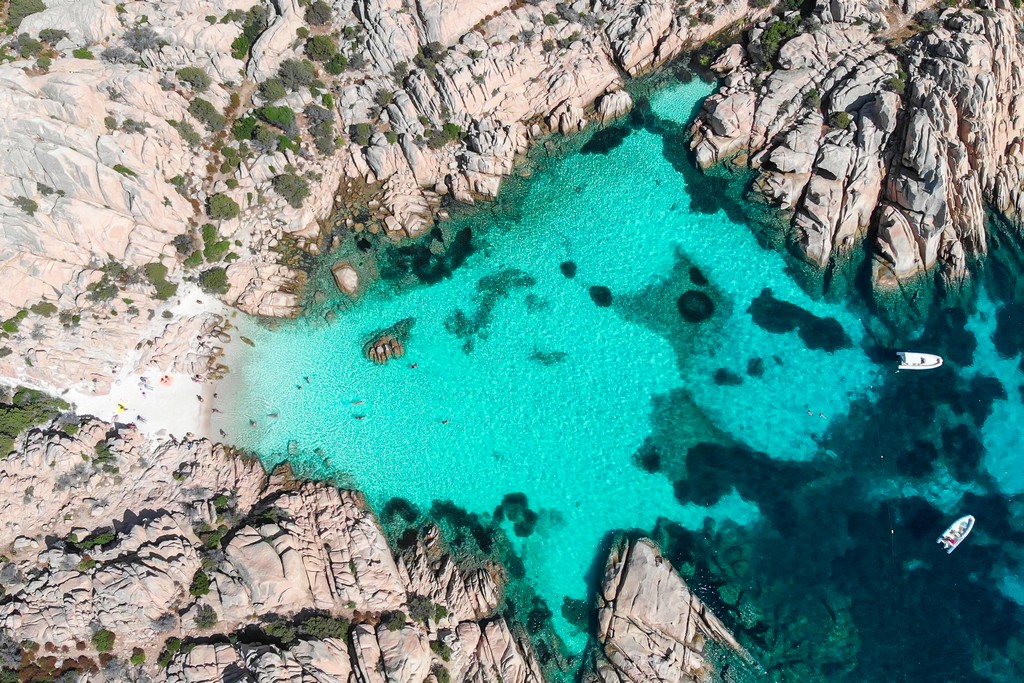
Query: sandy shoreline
[{"x": 163, "y": 403}]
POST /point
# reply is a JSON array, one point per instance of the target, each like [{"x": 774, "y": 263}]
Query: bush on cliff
[
  {"x": 221, "y": 207},
  {"x": 200, "y": 585},
  {"x": 195, "y": 78},
  {"x": 293, "y": 188},
  {"x": 318, "y": 13},
  {"x": 214, "y": 281},
  {"x": 207, "y": 114},
  {"x": 28, "y": 408},
  {"x": 20, "y": 9},
  {"x": 103, "y": 640}
]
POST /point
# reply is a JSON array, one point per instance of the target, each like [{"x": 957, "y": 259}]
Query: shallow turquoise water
[{"x": 471, "y": 426}]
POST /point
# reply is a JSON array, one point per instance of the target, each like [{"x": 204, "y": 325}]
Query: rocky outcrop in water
[
  {"x": 901, "y": 143},
  {"x": 388, "y": 343},
  {"x": 105, "y": 533},
  {"x": 651, "y": 627}
]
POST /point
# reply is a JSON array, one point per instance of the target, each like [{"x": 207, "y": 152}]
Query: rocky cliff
[
  {"x": 860, "y": 132},
  {"x": 116, "y": 546},
  {"x": 123, "y": 559}
]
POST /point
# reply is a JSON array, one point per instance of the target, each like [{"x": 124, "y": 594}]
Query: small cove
[{"x": 558, "y": 362}]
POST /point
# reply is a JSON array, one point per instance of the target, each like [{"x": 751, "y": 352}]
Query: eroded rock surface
[
  {"x": 104, "y": 530},
  {"x": 903, "y": 147},
  {"x": 651, "y": 627}
]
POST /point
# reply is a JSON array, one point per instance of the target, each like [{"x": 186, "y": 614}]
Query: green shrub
[
  {"x": 19, "y": 9},
  {"x": 327, "y": 100},
  {"x": 393, "y": 621},
  {"x": 280, "y": 630},
  {"x": 25, "y": 204},
  {"x": 296, "y": 74},
  {"x": 138, "y": 657},
  {"x": 52, "y": 35},
  {"x": 293, "y": 188},
  {"x": 336, "y": 64},
  {"x": 321, "y": 48},
  {"x": 44, "y": 63},
  {"x": 103, "y": 640},
  {"x": 82, "y": 53},
  {"x": 441, "y": 650},
  {"x": 775, "y": 35},
  {"x": 325, "y": 626},
  {"x": 254, "y": 22},
  {"x": 195, "y": 78},
  {"x": 206, "y": 616},
  {"x": 282, "y": 117},
  {"x": 125, "y": 171},
  {"x": 550, "y": 19},
  {"x": 207, "y": 114},
  {"x": 171, "y": 647},
  {"x": 812, "y": 98},
  {"x": 423, "y": 609},
  {"x": 28, "y": 408},
  {"x": 442, "y": 674},
  {"x": 221, "y": 207},
  {"x": 841, "y": 119},
  {"x": 200, "y": 585},
  {"x": 214, "y": 281},
  {"x": 187, "y": 132},
  {"x": 43, "y": 308},
  {"x": 318, "y": 13},
  {"x": 28, "y": 46},
  {"x": 273, "y": 90},
  {"x": 156, "y": 273},
  {"x": 243, "y": 128},
  {"x": 361, "y": 133}
]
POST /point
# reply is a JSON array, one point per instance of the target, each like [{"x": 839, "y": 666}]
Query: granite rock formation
[
  {"x": 858, "y": 136},
  {"x": 651, "y": 627},
  {"x": 106, "y": 531}
]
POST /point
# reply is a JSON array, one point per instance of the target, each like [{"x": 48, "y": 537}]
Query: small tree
[
  {"x": 195, "y": 78},
  {"x": 52, "y": 35},
  {"x": 318, "y": 13},
  {"x": 207, "y": 114},
  {"x": 295, "y": 74},
  {"x": 200, "y": 585},
  {"x": 212, "y": 281},
  {"x": 103, "y": 640},
  {"x": 221, "y": 207},
  {"x": 19, "y": 9},
  {"x": 841, "y": 119},
  {"x": 293, "y": 188},
  {"x": 321, "y": 48},
  {"x": 206, "y": 616},
  {"x": 273, "y": 90}
]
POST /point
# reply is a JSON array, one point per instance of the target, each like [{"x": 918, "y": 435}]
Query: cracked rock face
[
  {"x": 651, "y": 628},
  {"x": 903, "y": 147},
  {"x": 119, "y": 541}
]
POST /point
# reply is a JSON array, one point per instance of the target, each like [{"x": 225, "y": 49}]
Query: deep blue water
[{"x": 614, "y": 347}]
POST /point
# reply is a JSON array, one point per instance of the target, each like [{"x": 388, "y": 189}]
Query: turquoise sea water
[{"x": 751, "y": 442}]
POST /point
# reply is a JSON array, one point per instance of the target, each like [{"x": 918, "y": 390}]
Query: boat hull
[
  {"x": 911, "y": 360},
  {"x": 952, "y": 537}
]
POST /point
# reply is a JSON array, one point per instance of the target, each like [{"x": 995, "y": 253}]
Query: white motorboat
[
  {"x": 911, "y": 360},
  {"x": 952, "y": 537}
]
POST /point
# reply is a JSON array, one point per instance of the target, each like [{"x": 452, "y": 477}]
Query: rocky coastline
[{"x": 127, "y": 559}]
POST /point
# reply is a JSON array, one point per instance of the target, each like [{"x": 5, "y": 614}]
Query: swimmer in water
[
  {"x": 359, "y": 417},
  {"x": 252, "y": 423},
  {"x": 307, "y": 379},
  {"x": 273, "y": 415},
  {"x": 358, "y": 403},
  {"x": 444, "y": 422}
]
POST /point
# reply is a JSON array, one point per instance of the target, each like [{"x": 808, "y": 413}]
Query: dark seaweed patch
[
  {"x": 399, "y": 509},
  {"x": 601, "y": 295},
  {"x": 606, "y": 140},
  {"x": 755, "y": 367},
  {"x": 726, "y": 377},
  {"x": 1009, "y": 334},
  {"x": 697, "y": 277},
  {"x": 491, "y": 289},
  {"x": 777, "y": 316},
  {"x": 568, "y": 269},
  {"x": 419, "y": 260},
  {"x": 515, "y": 508},
  {"x": 647, "y": 456},
  {"x": 695, "y": 306},
  {"x": 548, "y": 358}
]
